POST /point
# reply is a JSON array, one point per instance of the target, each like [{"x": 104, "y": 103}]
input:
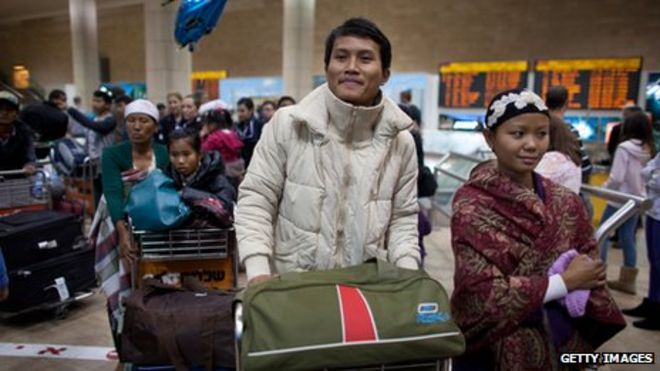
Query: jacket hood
[
  {"x": 635, "y": 149},
  {"x": 321, "y": 108}
]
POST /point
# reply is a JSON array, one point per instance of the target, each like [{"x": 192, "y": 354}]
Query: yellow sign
[
  {"x": 209, "y": 75},
  {"x": 212, "y": 273},
  {"x": 589, "y": 64},
  {"x": 477, "y": 67}
]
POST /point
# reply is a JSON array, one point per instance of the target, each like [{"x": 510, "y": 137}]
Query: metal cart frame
[
  {"x": 15, "y": 190},
  {"x": 185, "y": 244}
]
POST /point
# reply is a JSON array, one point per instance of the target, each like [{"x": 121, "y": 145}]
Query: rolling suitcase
[
  {"x": 30, "y": 237},
  {"x": 52, "y": 281}
]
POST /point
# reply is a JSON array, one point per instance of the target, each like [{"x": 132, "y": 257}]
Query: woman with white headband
[
  {"x": 123, "y": 165},
  {"x": 528, "y": 282}
]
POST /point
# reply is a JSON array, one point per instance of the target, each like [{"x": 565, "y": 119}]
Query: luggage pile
[
  {"x": 372, "y": 316},
  {"x": 48, "y": 260}
]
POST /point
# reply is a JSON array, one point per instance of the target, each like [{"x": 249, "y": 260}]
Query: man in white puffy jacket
[{"x": 333, "y": 179}]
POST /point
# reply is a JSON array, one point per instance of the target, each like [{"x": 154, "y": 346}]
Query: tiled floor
[{"x": 86, "y": 323}]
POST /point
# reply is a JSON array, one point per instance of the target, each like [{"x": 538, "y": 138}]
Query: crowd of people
[{"x": 332, "y": 181}]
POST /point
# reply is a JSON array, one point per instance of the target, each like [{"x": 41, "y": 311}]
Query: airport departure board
[
  {"x": 606, "y": 84},
  {"x": 473, "y": 84}
]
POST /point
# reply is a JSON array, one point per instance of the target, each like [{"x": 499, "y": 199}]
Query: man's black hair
[
  {"x": 285, "y": 98},
  {"x": 56, "y": 94},
  {"x": 123, "y": 99},
  {"x": 247, "y": 102},
  {"x": 105, "y": 94},
  {"x": 360, "y": 27},
  {"x": 556, "y": 97},
  {"x": 160, "y": 106}
]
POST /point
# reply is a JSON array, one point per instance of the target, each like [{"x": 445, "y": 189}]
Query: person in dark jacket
[
  {"x": 200, "y": 179},
  {"x": 48, "y": 119},
  {"x": 16, "y": 138},
  {"x": 174, "y": 119},
  {"x": 248, "y": 128}
]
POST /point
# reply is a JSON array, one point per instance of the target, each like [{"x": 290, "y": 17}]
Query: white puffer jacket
[{"x": 330, "y": 185}]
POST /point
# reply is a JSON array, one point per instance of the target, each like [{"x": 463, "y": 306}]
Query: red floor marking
[{"x": 52, "y": 350}]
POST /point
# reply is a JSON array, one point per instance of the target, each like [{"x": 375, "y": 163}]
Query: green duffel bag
[{"x": 365, "y": 315}]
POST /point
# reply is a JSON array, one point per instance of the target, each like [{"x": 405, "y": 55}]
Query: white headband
[{"x": 142, "y": 106}]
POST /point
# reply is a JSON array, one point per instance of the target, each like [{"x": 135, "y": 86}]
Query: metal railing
[{"x": 631, "y": 204}]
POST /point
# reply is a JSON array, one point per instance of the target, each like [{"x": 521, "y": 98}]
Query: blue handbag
[{"x": 155, "y": 205}]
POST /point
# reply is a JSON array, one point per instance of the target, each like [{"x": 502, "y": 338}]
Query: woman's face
[
  {"x": 184, "y": 157},
  {"x": 141, "y": 128},
  {"x": 519, "y": 143},
  {"x": 188, "y": 109},
  {"x": 174, "y": 105}
]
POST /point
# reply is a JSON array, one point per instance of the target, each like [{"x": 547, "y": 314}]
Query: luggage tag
[{"x": 60, "y": 286}]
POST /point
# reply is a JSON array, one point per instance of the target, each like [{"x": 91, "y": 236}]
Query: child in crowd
[
  {"x": 635, "y": 150},
  {"x": 201, "y": 180},
  {"x": 561, "y": 163},
  {"x": 218, "y": 135},
  {"x": 528, "y": 284}
]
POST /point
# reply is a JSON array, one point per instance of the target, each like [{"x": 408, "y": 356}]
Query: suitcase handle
[{"x": 47, "y": 245}]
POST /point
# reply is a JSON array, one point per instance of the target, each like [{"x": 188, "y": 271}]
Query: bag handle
[{"x": 386, "y": 270}]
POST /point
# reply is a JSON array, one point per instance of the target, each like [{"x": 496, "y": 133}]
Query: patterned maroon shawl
[{"x": 504, "y": 238}]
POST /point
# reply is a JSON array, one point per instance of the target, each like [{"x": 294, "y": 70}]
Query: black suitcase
[
  {"x": 35, "y": 286},
  {"x": 30, "y": 237}
]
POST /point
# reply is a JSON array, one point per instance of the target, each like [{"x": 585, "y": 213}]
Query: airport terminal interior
[{"x": 260, "y": 126}]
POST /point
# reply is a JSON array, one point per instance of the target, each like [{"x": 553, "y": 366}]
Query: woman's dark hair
[
  {"x": 360, "y": 27},
  {"x": 220, "y": 117},
  {"x": 563, "y": 140},
  {"x": 285, "y": 98},
  {"x": 124, "y": 99},
  {"x": 247, "y": 102},
  {"x": 189, "y": 134},
  {"x": 638, "y": 126}
]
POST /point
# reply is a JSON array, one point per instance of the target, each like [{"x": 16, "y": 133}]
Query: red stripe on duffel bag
[{"x": 356, "y": 317}]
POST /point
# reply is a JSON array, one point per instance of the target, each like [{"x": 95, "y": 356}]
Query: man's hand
[
  {"x": 30, "y": 169},
  {"x": 584, "y": 273},
  {"x": 260, "y": 279}
]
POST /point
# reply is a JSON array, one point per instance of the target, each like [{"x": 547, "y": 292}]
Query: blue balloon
[{"x": 195, "y": 19}]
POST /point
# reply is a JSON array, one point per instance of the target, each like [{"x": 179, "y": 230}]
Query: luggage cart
[
  {"x": 16, "y": 192},
  {"x": 208, "y": 254},
  {"x": 437, "y": 365},
  {"x": 80, "y": 186}
]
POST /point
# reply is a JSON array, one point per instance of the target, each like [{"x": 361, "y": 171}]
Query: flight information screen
[
  {"x": 605, "y": 84},
  {"x": 473, "y": 84}
]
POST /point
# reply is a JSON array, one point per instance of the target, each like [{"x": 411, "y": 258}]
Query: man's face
[
  {"x": 267, "y": 111},
  {"x": 121, "y": 108},
  {"x": 60, "y": 102},
  {"x": 355, "y": 70},
  {"x": 188, "y": 109},
  {"x": 8, "y": 114},
  {"x": 244, "y": 113},
  {"x": 99, "y": 106}
]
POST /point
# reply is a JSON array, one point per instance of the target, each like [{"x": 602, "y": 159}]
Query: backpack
[
  {"x": 68, "y": 156},
  {"x": 196, "y": 19},
  {"x": 47, "y": 121}
]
